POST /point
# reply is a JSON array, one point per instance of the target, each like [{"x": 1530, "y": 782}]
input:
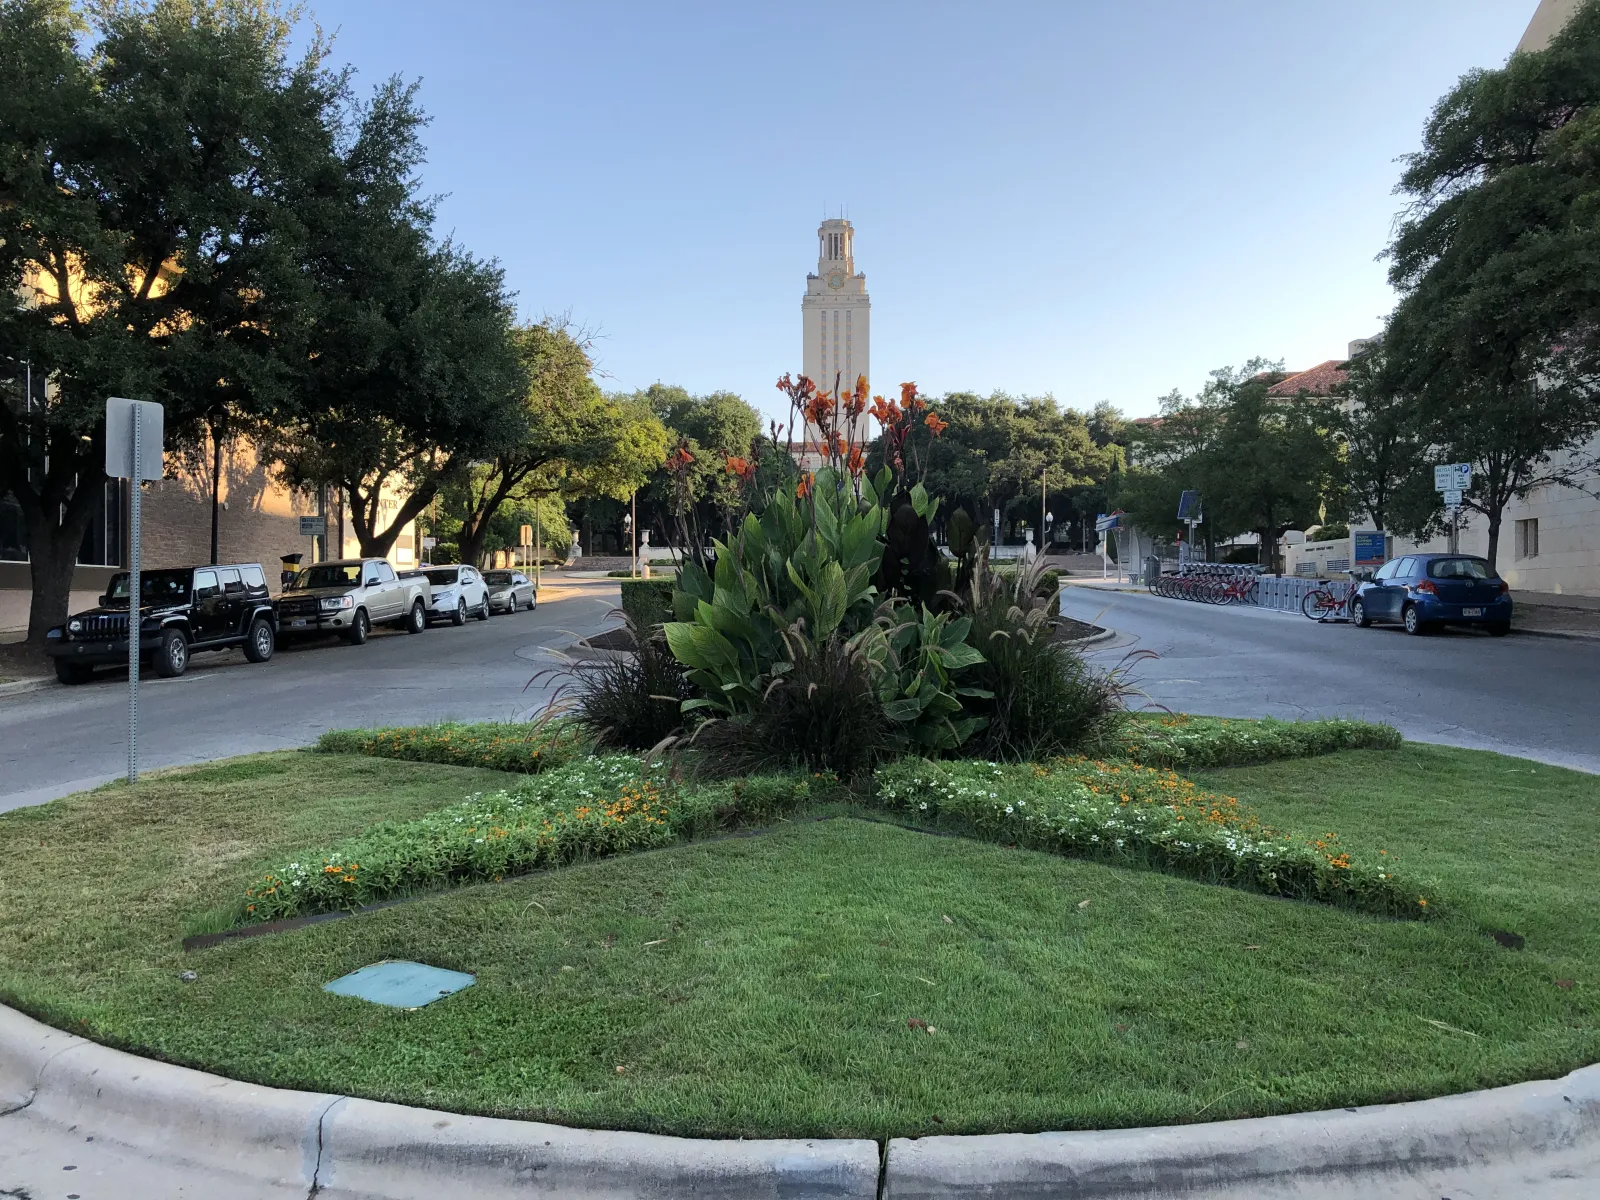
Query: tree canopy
[{"x": 1497, "y": 334}]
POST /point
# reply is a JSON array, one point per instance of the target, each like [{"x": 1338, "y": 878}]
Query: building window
[{"x": 1528, "y": 538}]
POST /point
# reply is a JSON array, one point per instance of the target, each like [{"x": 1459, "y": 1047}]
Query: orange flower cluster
[{"x": 741, "y": 468}]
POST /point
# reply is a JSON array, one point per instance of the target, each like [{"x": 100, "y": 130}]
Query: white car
[
  {"x": 457, "y": 591},
  {"x": 510, "y": 590}
]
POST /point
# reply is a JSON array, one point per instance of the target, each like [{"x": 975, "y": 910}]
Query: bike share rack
[{"x": 1207, "y": 582}]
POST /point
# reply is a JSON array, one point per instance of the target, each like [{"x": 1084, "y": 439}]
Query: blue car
[{"x": 1424, "y": 591}]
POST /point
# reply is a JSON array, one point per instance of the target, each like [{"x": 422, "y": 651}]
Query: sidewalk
[{"x": 1542, "y": 614}]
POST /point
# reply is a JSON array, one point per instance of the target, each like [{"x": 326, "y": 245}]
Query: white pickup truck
[{"x": 350, "y": 596}]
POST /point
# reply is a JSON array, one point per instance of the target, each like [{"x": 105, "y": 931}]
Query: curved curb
[
  {"x": 256, "y": 1137},
  {"x": 1105, "y": 635},
  {"x": 1529, "y": 1140}
]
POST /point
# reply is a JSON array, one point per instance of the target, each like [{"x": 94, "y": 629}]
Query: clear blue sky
[{"x": 1102, "y": 199}]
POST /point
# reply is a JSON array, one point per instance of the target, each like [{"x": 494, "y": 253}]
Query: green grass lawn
[{"x": 763, "y": 985}]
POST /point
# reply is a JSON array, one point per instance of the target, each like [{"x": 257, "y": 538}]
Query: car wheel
[
  {"x": 71, "y": 672},
  {"x": 533, "y": 601},
  {"x": 459, "y": 617},
  {"x": 360, "y": 626},
  {"x": 1358, "y": 615},
  {"x": 483, "y": 608},
  {"x": 260, "y": 642},
  {"x": 418, "y": 621},
  {"x": 172, "y": 658},
  {"x": 1499, "y": 628},
  {"x": 1413, "y": 621}
]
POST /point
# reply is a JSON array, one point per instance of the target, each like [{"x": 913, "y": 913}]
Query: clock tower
[{"x": 835, "y": 316}]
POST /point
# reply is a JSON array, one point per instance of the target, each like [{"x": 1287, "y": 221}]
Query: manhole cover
[{"x": 400, "y": 984}]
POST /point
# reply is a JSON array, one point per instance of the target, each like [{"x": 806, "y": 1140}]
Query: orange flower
[
  {"x": 836, "y": 444},
  {"x": 934, "y": 424},
  {"x": 740, "y": 467},
  {"x": 884, "y": 412},
  {"x": 803, "y": 488},
  {"x": 857, "y": 462}
]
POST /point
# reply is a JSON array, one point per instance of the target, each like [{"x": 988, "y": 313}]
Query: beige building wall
[{"x": 1547, "y": 21}]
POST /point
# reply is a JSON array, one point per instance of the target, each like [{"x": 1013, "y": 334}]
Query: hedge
[
  {"x": 1180, "y": 740},
  {"x": 1129, "y": 815},
  {"x": 648, "y": 602},
  {"x": 528, "y": 748},
  {"x": 592, "y": 808}
]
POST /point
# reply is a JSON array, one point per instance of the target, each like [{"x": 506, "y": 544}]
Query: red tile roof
[{"x": 1320, "y": 380}]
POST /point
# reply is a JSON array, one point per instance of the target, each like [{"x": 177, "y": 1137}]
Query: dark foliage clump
[
  {"x": 631, "y": 702},
  {"x": 1046, "y": 700},
  {"x": 822, "y": 714}
]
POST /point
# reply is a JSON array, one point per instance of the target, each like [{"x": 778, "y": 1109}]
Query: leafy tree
[
  {"x": 1383, "y": 450},
  {"x": 152, "y": 170},
  {"x": 413, "y": 371},
  {"x": 1498, "y": 330},
  {"x": 576, "y": 442},
  {"x": 712, "y": 429},
  {"x": 1261, "y": 463}
]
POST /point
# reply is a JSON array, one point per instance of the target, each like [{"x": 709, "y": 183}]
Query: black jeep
[{"x": 181, "y": 609}]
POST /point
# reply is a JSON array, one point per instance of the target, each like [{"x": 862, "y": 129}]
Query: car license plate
[
  {"x": 1472, "y": 612},
  {"x": 298, "y": 622}
]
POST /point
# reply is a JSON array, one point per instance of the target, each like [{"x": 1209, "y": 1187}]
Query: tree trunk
[
  {"x": 1494, "y": 534},
  {"x": 52, "y": 557},
  {"x": 375, "y": 542}
]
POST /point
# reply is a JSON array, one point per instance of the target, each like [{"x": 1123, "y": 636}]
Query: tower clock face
[{"x": 836, "y": 280}]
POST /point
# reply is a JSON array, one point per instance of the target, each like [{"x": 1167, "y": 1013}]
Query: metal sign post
[
  {"x": 134, "y": 438},
  {"x": 1451, "y": 480}
]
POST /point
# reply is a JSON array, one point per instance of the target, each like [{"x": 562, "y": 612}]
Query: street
[
  {"x": 65, "y": 739},
  {"x": 1524, "y": 695},
  {"x": 1520, "y": 695}
]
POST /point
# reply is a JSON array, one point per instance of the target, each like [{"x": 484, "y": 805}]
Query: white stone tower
[{"x": 836, "y": 316}]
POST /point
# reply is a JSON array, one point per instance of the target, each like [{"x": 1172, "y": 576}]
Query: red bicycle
[{"x": 1328, "y": 601}]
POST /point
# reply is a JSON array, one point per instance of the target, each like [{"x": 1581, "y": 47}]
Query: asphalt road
[
  {"x": 1531, "y": 696},
  {"x": 1523, "y": 695},
  {"x": 65, "y": 739}
]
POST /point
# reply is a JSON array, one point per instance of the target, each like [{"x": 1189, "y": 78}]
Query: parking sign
[{"x": 1452, "y": 477}]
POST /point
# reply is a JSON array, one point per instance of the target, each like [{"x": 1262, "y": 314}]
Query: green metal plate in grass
[{"x": 400, "y": 984}]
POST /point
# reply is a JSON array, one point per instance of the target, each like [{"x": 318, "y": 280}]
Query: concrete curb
[
  {"x": 1105, "y": 635},
  {"x": 262, "y": 1138},
  {"x": 1533, "y": 1135},
  {"x": 1565, "y": 634},
  {"x": 20, "y": 687}
]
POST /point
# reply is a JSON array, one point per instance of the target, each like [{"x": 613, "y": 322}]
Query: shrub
[
  {"x": 536, "y": 746},
  {"x": 1140, "y": 817},
  {"x": 1044, "y": 699},
  {"x": 823, "y": 715},
  {"x": 1046, "y": 586},
  {"x": 633, "y": 701},
  {"x": 1180, "y": 740},
  {"x": 647, "y": 602},
  {"x": 592, "y": 808}
]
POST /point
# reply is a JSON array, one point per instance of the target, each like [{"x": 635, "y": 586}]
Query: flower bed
[
  {"x": 1180, "y": 740},
  {"x": 593, "y": 808},
  {"x": 1143, "y": 817},
  {"x": 528, "y": 748}
]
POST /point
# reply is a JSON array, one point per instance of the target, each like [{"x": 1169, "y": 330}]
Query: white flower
[
  {"x": 1009, "y": 809},
  {"x": 923, "y": 805}
]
